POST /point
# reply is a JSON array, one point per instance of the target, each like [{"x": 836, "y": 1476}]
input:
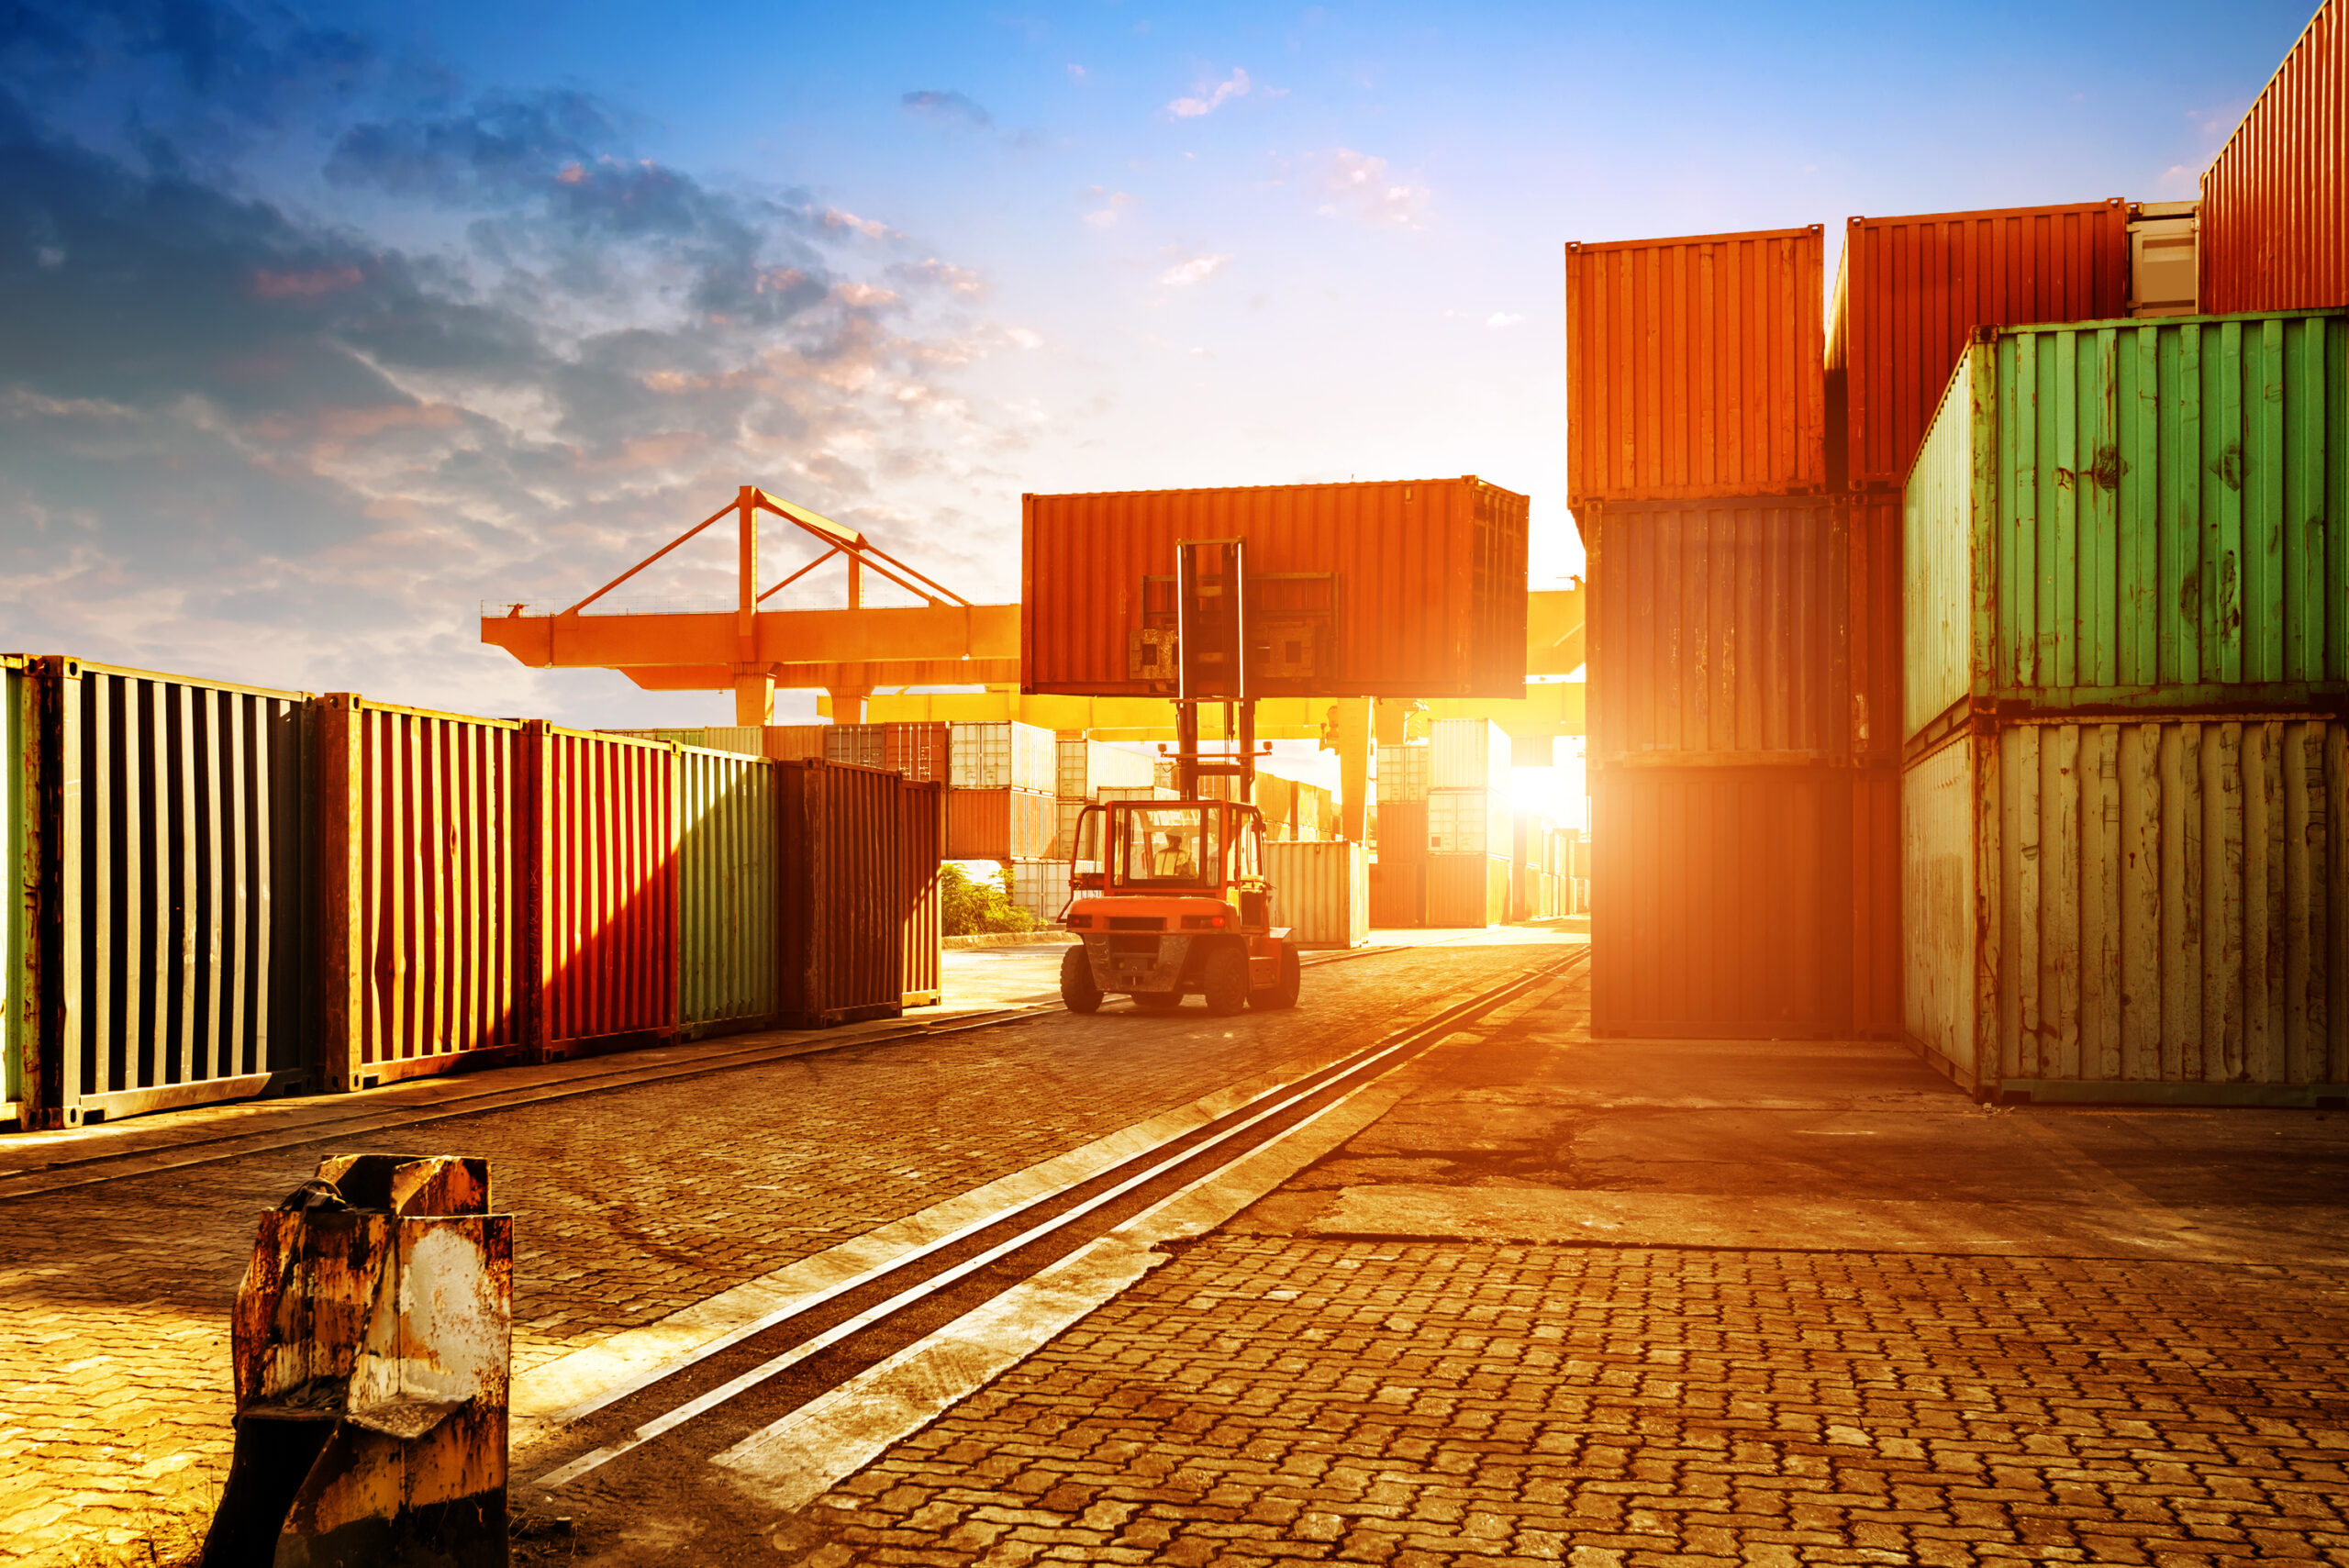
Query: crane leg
[{"x": 754, "y": 700}]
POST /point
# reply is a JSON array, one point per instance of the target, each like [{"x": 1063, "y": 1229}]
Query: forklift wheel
[
  {"x": 1077, "y": 990},
  {"x": 1281, "y": 992},
  {"x": 1158, "y": 1001},
  {"x": 1225, "y": 980}
]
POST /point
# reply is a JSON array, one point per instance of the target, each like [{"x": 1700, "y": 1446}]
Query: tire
[
  {"x": 1281, "y": 993},
  {"x": 1077, "y": 990},
  {"x": 1158, "y": 1001},
  {"x": 1224, "y": 978}
]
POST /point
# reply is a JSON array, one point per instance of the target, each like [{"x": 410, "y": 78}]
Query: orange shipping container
[
  {"x": 1467, "y": 890},
  {"x": 1873, "y": 578},
  {"x": 859, "y": 853},
  {"x": 1694, "y": 368},
  {"x": 1910, "y": 290},
  {"x": 999, "y": 824},
  {"x": 1395, "y": 589},
  {"x": 2275, "y": 218}
]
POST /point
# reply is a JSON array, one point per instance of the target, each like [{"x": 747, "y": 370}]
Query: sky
[{"x": 328, "y": 325}]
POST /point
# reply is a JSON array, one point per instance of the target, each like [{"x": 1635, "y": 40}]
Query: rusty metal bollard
[{"x": 372, "y": 1338}]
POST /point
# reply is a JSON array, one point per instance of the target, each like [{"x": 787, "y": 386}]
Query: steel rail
[{"x": 1346, "y": 1077}]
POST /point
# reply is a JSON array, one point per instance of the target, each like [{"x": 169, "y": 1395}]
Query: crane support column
[{"x": 1349, "y": 736}]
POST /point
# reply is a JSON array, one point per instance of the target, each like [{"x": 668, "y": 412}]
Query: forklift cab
[{"x": 1168, "y": 899}]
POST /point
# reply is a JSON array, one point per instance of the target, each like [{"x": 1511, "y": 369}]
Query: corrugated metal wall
[
  {"x": 19, "y": 884},
  {"x": 419, "y": 919},
  {"x": 1911, "y": 291},
  {"x": 727, "y": 885},
  {"x": 1937, "y": 526},
  {"x": 1877, "y": 619},
  {"x": 1939, "y": 920},
  {"x": 599, "y": 827},
  {"x": 1466, "y": 890},
  {"x": 924, "y": 980},
  {"x": 173, "y": 893},
  {"x": 1719, "y": 627},
  {"x": 860, "y": 854},
  {"x": 2275, "y": 218},
  {"x": 1321, "y": 892},
  {"x": 1398, "y": 887},
  {"x": 1695, "y": 368},
  {"x": 1876, "y": 919}
]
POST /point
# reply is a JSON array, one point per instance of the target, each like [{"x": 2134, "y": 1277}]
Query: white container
[
  {"x": 1135, "y": 792},
  {"x": 1468, "y": 822},
  {"x": 1041, "y": 887},
  {"x": 1403, "y": 772},
  {"x": 866, "y": 745},
  {"x": 1087, "y": 765},
  {"x": 1469, "y": 753},
  {"x": 1320, "y": 892},
  {"x": 1004, "y": 756}
]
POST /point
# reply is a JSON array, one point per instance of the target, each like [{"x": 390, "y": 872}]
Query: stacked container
[
  {"x": 2126, "y": 773},
  {"x": 1468, "y": 825},
  {"x": 1320, "y": 892},
  {"x": 2275, "y": 218},
  {"x": 1002, "y": 806}
]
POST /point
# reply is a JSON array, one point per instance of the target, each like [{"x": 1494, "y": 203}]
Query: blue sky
[{"x": 329, "y": 324}]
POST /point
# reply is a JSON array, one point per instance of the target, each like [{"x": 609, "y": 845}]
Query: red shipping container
[
  {"x": 2275, "y": 218},
  {"x": 1875, "y": 904},
  {"x": 859, "y": 904},
  {"x": 1910, "y": 290},
  {"x": 1722, "y": 903},
  {"x": 599, "y": 823},
  {"x": 1395, "y": 589},
  {"x": 1874, "y": 672},
  {"x": 1000, "y": 824},
  {"x": 1718, "y": 630},
  {"x": 1695, "y": 368}
]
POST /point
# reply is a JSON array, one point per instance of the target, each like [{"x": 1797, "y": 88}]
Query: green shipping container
[
  {"x": 2134, "y": 514},
  {"x": 727, "y": 888}
]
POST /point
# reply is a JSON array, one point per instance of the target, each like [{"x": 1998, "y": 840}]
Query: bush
[{"x": 969, "y": 908}]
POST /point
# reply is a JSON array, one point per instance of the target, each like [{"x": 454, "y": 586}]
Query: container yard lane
[{"x": 684, "y": 1217}]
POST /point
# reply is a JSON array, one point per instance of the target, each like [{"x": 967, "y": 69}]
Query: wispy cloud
[
  {"x": 1197, "y": 269},
  {"x": 946, "y": 108},
  {"x": 1500, "y": 318},
  {"x": 1110, "y": 203},
  {"x": 872, "y": 228},
  {"x": 1361, "y": 187},
  {"x": 1209, "y": 99}
]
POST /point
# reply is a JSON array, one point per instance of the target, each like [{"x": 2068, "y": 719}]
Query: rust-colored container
[
  {"x": 859, "y": 863},
  {"x": 1875, "y": 904},
  {"x": 2275, "y": 218},
  {"x": 1411, "y": 588},
  {"x": 1718, "y": 630},
  {"x": 999, "y": 824},
  {"x": 598, "y": 824},
  {"x": 1872, "y": 646},
  {"x": 920, "y": 751},
  {"x": 1720, "y": 903},
  {"x": 1398, "y": 878},
  {"x": 1694, "y": 367},
  {"x": 1467, "y": 890},
  {"x": 923, "y": 983},
  {"x": 1910, "y": 290},
  {"x": 419, "y": 910}
]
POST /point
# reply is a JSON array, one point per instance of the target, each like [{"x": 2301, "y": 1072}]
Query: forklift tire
[
  {"x": 1158, "y": 1001},
  {"x": 1077, "y": 990},
  {"x": 1224, "y": 978},
  {"x": 1281, "y": 992}
]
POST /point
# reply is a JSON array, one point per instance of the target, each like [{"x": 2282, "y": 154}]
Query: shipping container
[
  {"x": 1005, "y": 756},
  {"x": 1720, "y": 903},
  {"x": 1398, "y": 889},
  {"x": 861, "y": 745},
  {"x": 860, "y": 862},
  {"x": 2163, "y": 241},
  {"x": 1717, "y": 630},
  {"x": 1469, "y": 822},
  {"x": 1875, "y": 904},
  {"x": 1313, "y": 814},
  {"x": 999, "y": 824},
  {"x": 1406, "y": 589},
  {"x": 794, "y": 742},
  {"x": 1041, "y": 887},
  {"x": 1404, "y": 772},
  {"x": 1467, "y": 890},
  {"x": 2134, "y": 911},
  {"x": 1529, "y": 894},
  {"x": 1135, "y": 792},
  {"x": 1532, "y": 838},
  {"x": 1910, "y": 291},
  {"x": 2143, "y": 515},
  {"x": 727, "y": 891},
  {"x": 1320, "y": 892},
  {"x": 924, "y": 981},
  {"x": 1067, "y": 814},
  {"x": 168, "y": 957},
  {"x": 1695, "y": 368},
  {"x": 599, "y": 830},
  {"x": 20, "y": 885},
  {"x": 920, "y": 751},
  {"x": 1468, "y": 753},
  {"x": 419, "y": 907},
  {"x": 1087, "y": 765},
  {"x": 1873, "y": 645},
  {"x": 2274, "y": 220}
]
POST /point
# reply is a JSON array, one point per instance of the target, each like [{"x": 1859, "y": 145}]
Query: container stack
[
  {"x": 2125, "y": 766},
  {"x": 1399, "y": 877},
  {"x": 1002, "y": 806},
  {"x": 1469, "y": 832},
  {"x": 919, "y": 751}
]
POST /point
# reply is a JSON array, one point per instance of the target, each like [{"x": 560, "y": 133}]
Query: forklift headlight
[
  {"x": 1203, "y": 922},
  {"x": 1080, "y": 922}
]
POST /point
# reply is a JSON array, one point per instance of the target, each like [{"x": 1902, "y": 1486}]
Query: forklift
[{"x": 1172, "y": 900}]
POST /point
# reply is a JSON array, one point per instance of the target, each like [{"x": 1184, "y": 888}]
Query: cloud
[
  {"x": 1363, "y": 187},
  {"x": 960, "y": 281},
  {"x": 952, "y": 110},
  {"x": 1077, "y": 72},
  {"x": 872, "y": 228},
  {"x": 1197, "y": 269},
  {"x": 1112, "y": 202},
  {"x": 1212, "y": 99},
  {"x": 1500, "y": 318}
]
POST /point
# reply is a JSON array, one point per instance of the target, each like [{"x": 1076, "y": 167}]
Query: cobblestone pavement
[{"x": 629, "y": 1204}]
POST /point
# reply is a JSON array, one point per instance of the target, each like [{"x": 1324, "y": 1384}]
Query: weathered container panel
[
  {"x": 420, "y": 901},
  {"x": 1405, "y": 771},
  {"x": 1912, "y": 290},
  {"x": 1004, "y": 756},
  {"x": 860, "y": 861},
  {"x": 1321, "y": 892},
  {"x": 171, "y": 878},
  {"x": 1875, "y": 674},
  {"x": 1467, "y": 890},
  {"x": 1398, "y": 889},
  {"x": 1468, "y": 822},
  {"x": 2160, "y": 907},
  {"x": 599, "y": 833},
  {"x": 1877, "y": 908},
  {"x": 727, "y": 891},
  {"x": 1404, "y": 589},
  {"x": 19, "y": 884},
  {"x": 2151, "y": 518},
  {"x": 1087, "y": 765},
  {"x": 1720, "y": 630},
  {"x": 2274, "y": 220},
  {"x": 1720, "y": 902},
  {"x": 1000, "y": 824},
  {"x": 1695, "y": 368},
  {"x": 1468, "y": 753},
  {"x": 924, "y": 980}
]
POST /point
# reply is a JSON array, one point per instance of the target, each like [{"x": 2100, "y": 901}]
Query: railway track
[{"x": 730, "y": 1400}]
